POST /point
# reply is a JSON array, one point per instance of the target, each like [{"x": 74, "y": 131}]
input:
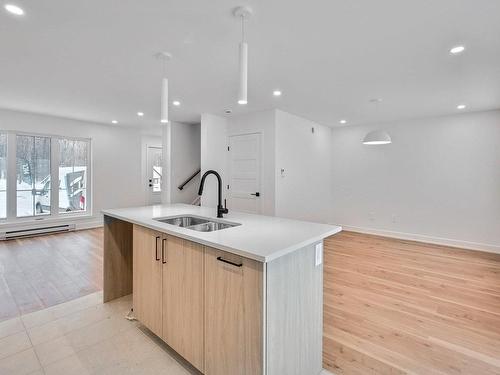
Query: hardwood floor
[
  {"x": 401, "y": 307},
  {"x": 39, "y": 272}
]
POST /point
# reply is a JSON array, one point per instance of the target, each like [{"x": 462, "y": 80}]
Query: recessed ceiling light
[
  {"x": 277, "y": 93},
  {"x": 114, "y": 122},
  {"x": 461, "y": 106},
  {"x": 242, "y": 102},
  {"x": 343, "y": 121},
  {"x": 140, "y": 114},
  {"x": 176, "y": 103},
  {"x": 457, "y": 50},
  {"x": 14, "y": 9}
]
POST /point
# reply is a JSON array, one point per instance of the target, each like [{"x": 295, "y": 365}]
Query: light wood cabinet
[
  {"x": 233, "y": 314},
  {"x": 226, "y": 314},
  {"x": 147, "y": 278},
  {"x": 183, "y": 299}
]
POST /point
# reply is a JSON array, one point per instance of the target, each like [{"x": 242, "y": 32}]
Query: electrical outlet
[
  {"x": 319, "y": 254},
  {"x": 394, "y": 218},
  {"x": 371, "y": 215}
]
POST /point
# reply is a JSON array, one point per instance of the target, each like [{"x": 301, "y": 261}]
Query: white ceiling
[{"x": 93, "y": 59}]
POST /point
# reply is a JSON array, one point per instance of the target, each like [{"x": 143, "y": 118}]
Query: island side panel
[
  {"x": 117, "y": 267},
  {"x": 294, "y": 314}
]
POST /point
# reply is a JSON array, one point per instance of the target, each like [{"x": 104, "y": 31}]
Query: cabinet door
[
  {"x": 183, "y": 299},
  {"x": 233, "y": 314},
  {"x": 147, "y": 278}
]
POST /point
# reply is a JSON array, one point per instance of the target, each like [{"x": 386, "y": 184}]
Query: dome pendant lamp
[
  {"x": 243, "y": 13},
  {"x": 165, "y": 56},
  {"x": 377, "y": 137}
]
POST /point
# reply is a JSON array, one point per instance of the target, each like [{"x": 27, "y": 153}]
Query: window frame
[{"x": 11, "y": 209}]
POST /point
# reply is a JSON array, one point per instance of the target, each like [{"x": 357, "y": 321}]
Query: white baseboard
[
  {"x": 490, "y": 248},
  {"x": 86, "y": 222},
  {"x": 89, "y": 224}
]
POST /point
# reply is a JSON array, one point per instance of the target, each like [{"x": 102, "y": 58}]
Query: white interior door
[
  {"x": 244, "y": 173},
  {"x": 154, "y": 182}
]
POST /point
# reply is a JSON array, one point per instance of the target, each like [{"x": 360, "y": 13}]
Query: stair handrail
[{"x": 181, "y": 186}]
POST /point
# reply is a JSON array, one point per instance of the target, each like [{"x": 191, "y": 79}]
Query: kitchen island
[{"x": 245, "y": 299}]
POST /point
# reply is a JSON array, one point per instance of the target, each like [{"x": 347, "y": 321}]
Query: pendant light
[
  {"x": 165, "y": 56},
  {"x": 377, "y": 137},
  {"x": 243, "y": 13}
]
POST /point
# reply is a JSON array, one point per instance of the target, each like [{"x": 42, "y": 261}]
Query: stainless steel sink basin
[
  {"x": 211, "y": 226},
  {"x": 199, "y": 224},
  {"x": 183, "y": 221}
]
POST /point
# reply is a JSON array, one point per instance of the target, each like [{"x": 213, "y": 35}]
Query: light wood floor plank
[
  {"x": 403, "y": 307},
  {"x": 39, "y": 272}
]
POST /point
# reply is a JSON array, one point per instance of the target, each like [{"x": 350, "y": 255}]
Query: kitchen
[{"x": 258, "y": 188}]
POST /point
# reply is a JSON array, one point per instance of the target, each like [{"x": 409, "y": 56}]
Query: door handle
[
  {"x": 163, "y": 242},
  {"x": 257, "y": 194},
  {"x": 221, "y": 259},
  {"x": 156, "y": 252}
]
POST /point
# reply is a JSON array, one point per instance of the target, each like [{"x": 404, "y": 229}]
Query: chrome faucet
[{"x": 220, "y": 210}]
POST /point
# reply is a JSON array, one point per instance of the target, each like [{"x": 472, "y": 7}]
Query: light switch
[{"x": 319, "y": 254}]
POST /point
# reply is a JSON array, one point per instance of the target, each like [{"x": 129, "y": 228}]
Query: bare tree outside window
[{"x": 33, "y": 174}]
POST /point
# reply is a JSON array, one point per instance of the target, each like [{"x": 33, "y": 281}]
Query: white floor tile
[
  {"x": 87, "y": 338},
  {"x": 21, "y": 363},
  {"x": 75, "y": 321},
  {"x": 59, "y": 311},
  {"x": 11, "y": 326},
  {"x": 13, "y": 344},
  {"x": 54, "y": 350},
  {"x": 72, "y": 365}
]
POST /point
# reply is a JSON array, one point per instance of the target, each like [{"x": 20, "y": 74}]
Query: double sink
[{"x": 197, "y": 223}]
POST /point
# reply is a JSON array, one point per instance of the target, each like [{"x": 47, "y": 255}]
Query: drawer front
[{"x": 233, "y": 314}]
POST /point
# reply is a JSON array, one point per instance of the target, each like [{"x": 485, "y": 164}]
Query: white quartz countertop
[{"x": 262, "y": 238}]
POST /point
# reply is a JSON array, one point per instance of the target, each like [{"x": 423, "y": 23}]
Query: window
[
  {"x": 33, "y": 175},
  {"x": 72, "y": 175},
  {"x": 39, "y": 162}
]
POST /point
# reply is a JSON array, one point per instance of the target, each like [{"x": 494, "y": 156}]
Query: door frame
[{"x": 261, "y": 171}]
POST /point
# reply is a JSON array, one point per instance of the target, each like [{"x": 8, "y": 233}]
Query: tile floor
[{"x": 85, "y": 336}]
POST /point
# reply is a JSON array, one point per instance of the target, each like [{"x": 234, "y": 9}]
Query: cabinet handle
[
  {"x": 163, "y": 241},
  {"x": 221, "y": 259},
  {"x": 157, "y": 256}
]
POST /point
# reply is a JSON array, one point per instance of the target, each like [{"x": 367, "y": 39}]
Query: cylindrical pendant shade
[
  {"x": 164, "y": 101},
  {"x": 242, "y": 94},
  {"x": 377, "y": 137}
]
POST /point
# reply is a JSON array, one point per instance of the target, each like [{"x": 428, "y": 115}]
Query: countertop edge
[{"x": 266, "y": 259}]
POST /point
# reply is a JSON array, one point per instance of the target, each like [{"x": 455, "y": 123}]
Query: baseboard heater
[{"x": 36, "y": 231}]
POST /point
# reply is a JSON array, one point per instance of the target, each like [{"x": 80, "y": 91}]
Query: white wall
[
  {"x": 287, "y": 142},
  {"x": 116, "y": 156},
  {"x": 213, "y": 155},
  {"x": 304, "y": 190},
  {"x": 184, "y": 161},
  {"x": 263, "y": 123},
  {"x": 438, "y": 181}
]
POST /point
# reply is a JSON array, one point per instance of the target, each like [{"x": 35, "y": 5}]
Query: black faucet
[{"x": 220, "y": 210}]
